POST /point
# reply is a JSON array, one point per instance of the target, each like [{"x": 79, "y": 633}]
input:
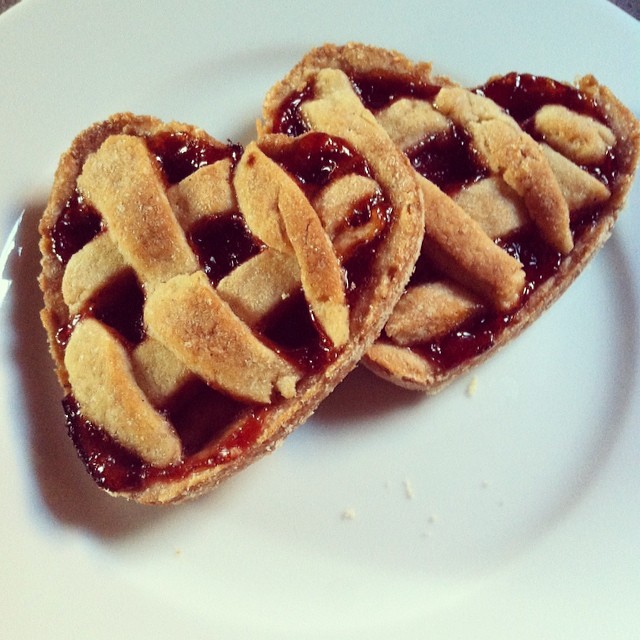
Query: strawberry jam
[
  {"x": 377, "y": 90},
  {"x": 222, "y": 243},
  {"x": 116, "y": 469},
  {"x": 521, "y": 95},
  {"x": 447, "y": 159},
  {"x": 450, "y": 161},
  {"x": 292, "y": 331},
  {"x": 200, "y": 415},
  {"x": 180, "y": 154},
  {"x": 480, "y": 332},
  {"x": 213, "y": 428},
  {"x": 313, "y": 160},
  {"x": 77, "y": 224},
  {"x": 119, "y": 305},
  {"x": 316, "y": 159}
]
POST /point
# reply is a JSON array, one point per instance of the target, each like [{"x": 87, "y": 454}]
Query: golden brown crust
[
  {"x": 513, "y": 155},
  {"x": 300, "y": 231},
  {"x": 526, "y": 181},
  {"x": 336, "y": 104},
  {"x": 306, "y": 247},
  {"x": 55, "y": 313},
  {"x": 352, "y": 57},
  {"x": 188, "y": 316},
  {"x": 458, "y": 244},
  {"x": 112, "y": 398},
  {"x": 393, "y": 363},
  {"x": 180, "y": 328}
]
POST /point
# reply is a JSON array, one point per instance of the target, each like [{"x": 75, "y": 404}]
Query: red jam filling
[
  {"x": 480, "y": 332},
  {"x": 290, "y": 120},
  {"x": 521, "y": 96},
  {"x": 293, "y": 332},
  {"x": 77, "y": 224},
  {"x": 377, "y": 90},
  {"x": 200, "y": 415},
  {"x": 316, "y": 159},
  {"x": 119, "y": 305},
  {"x": 222, "y": 243},
  {"x": 375, "y": 209},
  {"x": 114, "y": 468},
  {"x": 450, "y": 161},
  {"x": 179, "y": 154}
]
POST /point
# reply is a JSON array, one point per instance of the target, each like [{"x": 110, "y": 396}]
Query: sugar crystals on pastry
[
  {"x": 522, "y": 180},
  {"x": 197, "y": 309}
]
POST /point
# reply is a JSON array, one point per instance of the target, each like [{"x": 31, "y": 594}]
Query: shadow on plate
[
  {"x": 362, "y": 395},
  {"x": 65, "y": 488},
  {"x": 71, "y": 497}
]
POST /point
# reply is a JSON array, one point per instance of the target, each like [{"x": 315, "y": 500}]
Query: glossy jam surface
[
  {"x": 450, "y": 161},
  {"x": 479, "y": 333},
  {"x": 114, "y": 468},
  {"x": 111, "y": 466},
  {"x": 316, "y": 159},
  {"x": 180, "y": 154},
  {"x": 119, "y": 305},
  {"x": 199, "y": 414},
  {"x": 77, "y": 224},
  {"x": 377, "y": 90},
  {"x": 222, "y": 243},
  {"x": 289, "y": 119},
  {"x": 447, "y": 159},
  {"x": 521, "y": 95},
  {"x": 375, "y": 212},
  {"x": 214, "y": 428},
  {"x": 292, "y": 331}
]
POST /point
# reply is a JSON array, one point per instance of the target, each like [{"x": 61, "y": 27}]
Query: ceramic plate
[{"x": 510, "y": 512}]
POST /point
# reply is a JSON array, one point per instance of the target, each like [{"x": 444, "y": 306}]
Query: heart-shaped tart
[
  {"x": 522, "y": 178},
  {"x": 201, "y": 299}
]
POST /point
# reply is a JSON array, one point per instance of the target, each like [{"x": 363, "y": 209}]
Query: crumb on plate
[
  {"x": 408, "y": 488},
  {"x": 472, "y": 387},
  {"x": 349, "y": 514}
]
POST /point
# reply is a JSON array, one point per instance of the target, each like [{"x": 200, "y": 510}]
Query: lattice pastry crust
[
  {"x": 522, "y": 181},
  {"x": 201, "y": 299}
]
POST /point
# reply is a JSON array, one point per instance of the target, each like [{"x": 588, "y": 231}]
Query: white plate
[{"x": 512, "y": 513}]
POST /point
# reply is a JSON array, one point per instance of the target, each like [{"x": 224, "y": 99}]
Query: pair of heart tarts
[{"x": 201, "y": 299}]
